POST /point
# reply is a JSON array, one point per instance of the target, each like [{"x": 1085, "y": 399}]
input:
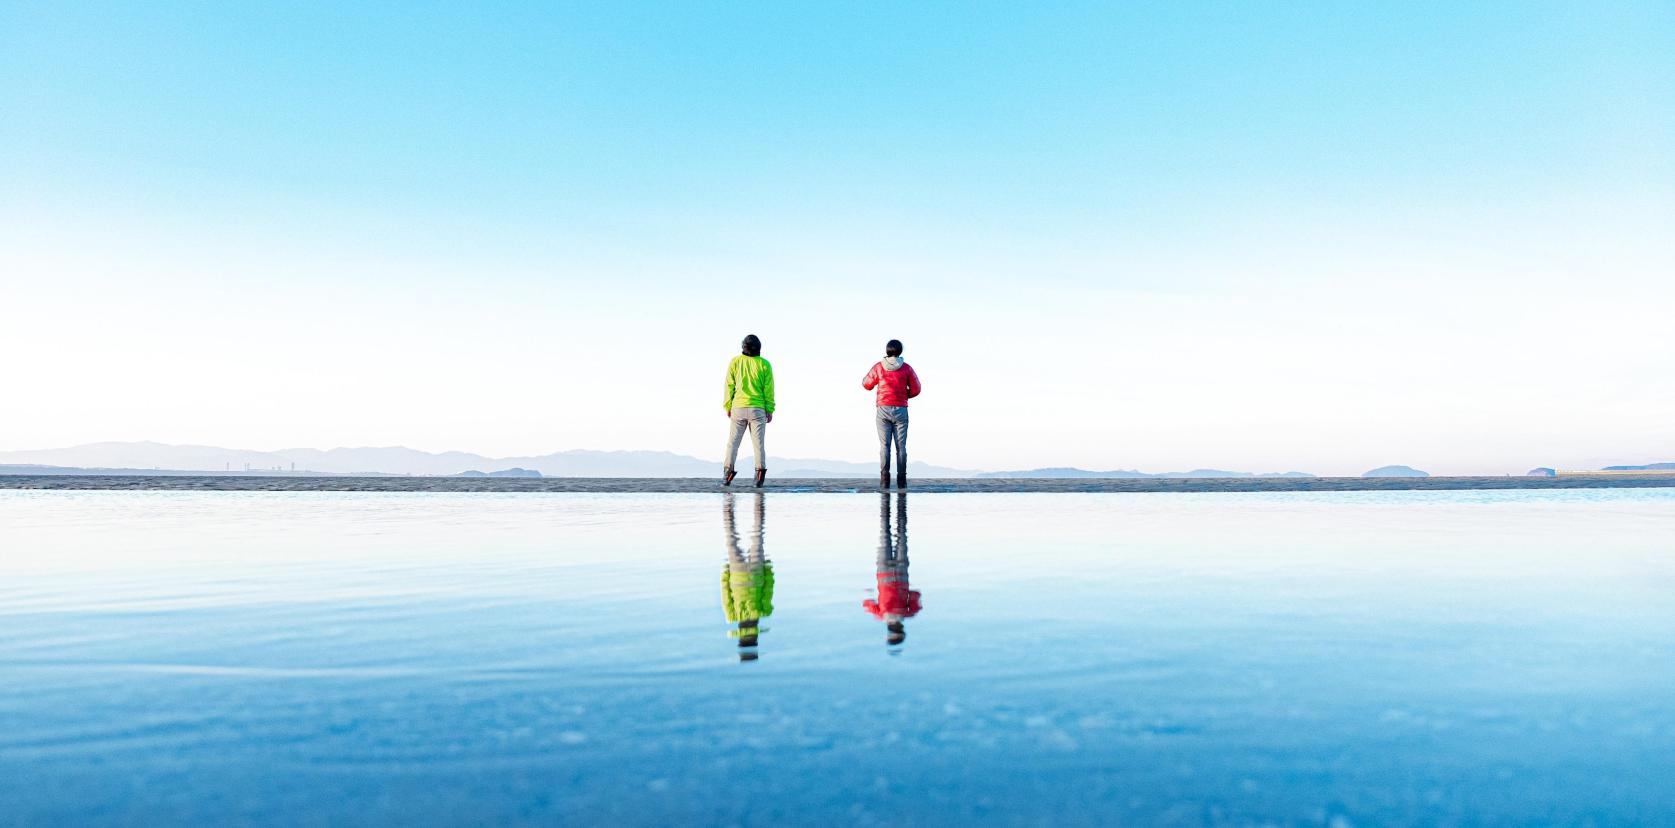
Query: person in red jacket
[
  {"x": 896, "y": 383},
  {"x": 896, "y": 601}
]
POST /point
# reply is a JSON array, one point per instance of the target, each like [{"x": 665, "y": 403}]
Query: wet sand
[{"x": 682, "y": 485}]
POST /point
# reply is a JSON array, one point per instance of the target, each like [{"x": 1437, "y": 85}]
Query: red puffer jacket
[
  {"x": 894, "y": 598},
  {"x": 895, "y": 387}
]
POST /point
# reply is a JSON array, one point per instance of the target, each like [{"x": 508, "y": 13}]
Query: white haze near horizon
[
  {"x": 1317, "y": 236},
  {"x": 1495, "y": 346}
]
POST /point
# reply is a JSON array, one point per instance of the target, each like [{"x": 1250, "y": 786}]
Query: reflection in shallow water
[
  {"x": 896, "y": 602},
  {"x": 747, "y": 581},
  {"x": 184, "y": 658}
]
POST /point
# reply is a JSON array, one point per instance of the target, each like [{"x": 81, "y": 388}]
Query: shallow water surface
[{"x": 1335, "y": 658}]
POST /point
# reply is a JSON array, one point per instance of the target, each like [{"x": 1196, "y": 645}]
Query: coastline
[{"x": 691, "y": 485}]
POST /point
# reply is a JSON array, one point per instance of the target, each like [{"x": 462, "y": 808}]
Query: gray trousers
[
  {"x": 743, "y": 561},
  {"x": 892, "y": 428},
  {"x": 754, "y": 419}
]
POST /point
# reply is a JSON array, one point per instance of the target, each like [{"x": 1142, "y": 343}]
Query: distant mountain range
[
  {"x": 1128, "y": 474},
  {"x": 149, "y": 457},
  {"x": 155, "y": 458},
  {"x": 162, "y": 458}
]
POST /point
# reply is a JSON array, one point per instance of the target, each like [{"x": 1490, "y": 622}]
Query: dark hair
[
  {"x": 892, "y": 348},
  {"x": 752, "y": 345},
  {"x": 897, "y": 633}
]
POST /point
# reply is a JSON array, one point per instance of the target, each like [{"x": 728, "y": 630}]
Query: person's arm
[
  {"x": 870, "y": 381},
  {"x": 730, "y": 387},
  {"x": 768, "y": 389},
  {"x": 913, "y": 386}
]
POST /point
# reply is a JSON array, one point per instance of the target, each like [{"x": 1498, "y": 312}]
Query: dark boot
[
  {"x": 761, "y": 475},
  {"x": 901, "y": 479},
  {"x": 727, "y": 476},
  {"x": 883, "y": 478}
]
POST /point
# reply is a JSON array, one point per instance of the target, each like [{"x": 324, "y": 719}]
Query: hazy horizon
[
  {"x": 194, "y": 457},
  {"x": 1312, "y": 237}
]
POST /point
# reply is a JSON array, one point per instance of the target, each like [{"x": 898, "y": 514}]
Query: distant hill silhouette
[
  {"x": 153, "y": 458},
  {"x": 1542, "y": 471},
  {"x": 1396, "y": 471},
  {"x": 1129, "y": 474},
  {"x": 163, "y": 458},
  {"x": 37, "y": 469}
]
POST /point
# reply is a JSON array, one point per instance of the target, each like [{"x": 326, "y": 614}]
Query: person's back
[
  {"x": 896, "y": 382},
  {"x": 751, "y": 380},
  {"x": 894, "y": 597}
]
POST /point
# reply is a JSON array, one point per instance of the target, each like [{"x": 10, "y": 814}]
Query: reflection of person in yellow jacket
[{"x": 747, "y": 581}]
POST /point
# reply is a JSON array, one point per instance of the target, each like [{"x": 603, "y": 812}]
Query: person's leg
[
  {"x": 758, "y": 555},
  {"x": 886, "y": 550},
  {"x": 901, "y": 528},
  {"x": 730, "y": 529},
  {"x": 886, "y": 433},
  {"x": 758, "y": 436},
  {"x": 901, "y": 442},
  {"x": 735, "y": 433}
]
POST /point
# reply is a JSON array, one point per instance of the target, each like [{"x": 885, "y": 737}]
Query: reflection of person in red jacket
[
  {"x": 895, "y": 600},
  {"x": 896, "y": 383}
]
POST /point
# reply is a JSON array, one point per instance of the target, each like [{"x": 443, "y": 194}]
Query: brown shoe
[
  {"x": 761, "y": 475},
  {"x": 727, "y": 476}
]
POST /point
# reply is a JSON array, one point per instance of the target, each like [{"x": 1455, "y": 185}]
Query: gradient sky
[{"x": 1314, "y": 236}]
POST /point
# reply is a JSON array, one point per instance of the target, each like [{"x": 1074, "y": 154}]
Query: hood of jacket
[{"x": 892, "y": 363}]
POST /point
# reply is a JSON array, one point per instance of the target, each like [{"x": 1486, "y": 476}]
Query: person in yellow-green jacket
[
  {"x": 749, "y": 401},
  {"x": 747, "y": 581}
]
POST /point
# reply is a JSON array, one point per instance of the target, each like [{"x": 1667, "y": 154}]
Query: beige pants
[{"x": 754, "y": 419}]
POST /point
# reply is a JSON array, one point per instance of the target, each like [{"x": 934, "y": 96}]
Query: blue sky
[{"x": 1193, "y": 210}]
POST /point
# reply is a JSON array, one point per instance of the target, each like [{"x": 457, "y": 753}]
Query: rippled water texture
[{"x": 1344, "y": 658}]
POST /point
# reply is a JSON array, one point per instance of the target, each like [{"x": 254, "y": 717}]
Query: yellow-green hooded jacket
[
  {"x": 750, "y": 384},
  {"x": 748, "y": 595}
]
